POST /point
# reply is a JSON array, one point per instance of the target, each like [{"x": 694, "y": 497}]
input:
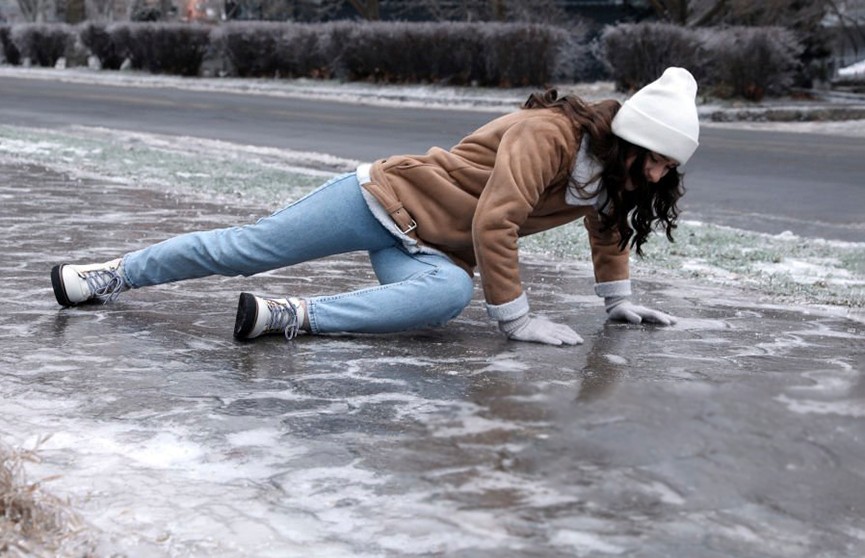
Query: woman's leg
[
  {"x": 420, "y": 290},
  {"x": 417, "y": 291},
  {"x": 333, "y": 219}
]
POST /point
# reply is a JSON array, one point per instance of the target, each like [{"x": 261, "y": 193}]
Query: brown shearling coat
[{"x": 505, "y": 180}]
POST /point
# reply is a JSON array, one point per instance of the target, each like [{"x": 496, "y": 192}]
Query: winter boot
[
  {"x": 259, "y": 316},
  {"x": 77, "y": 284}
]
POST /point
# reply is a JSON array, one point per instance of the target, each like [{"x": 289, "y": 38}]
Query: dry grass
[{"x": 34, "y": 523}]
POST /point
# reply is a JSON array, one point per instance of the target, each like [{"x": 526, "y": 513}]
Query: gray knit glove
[
  {"x": 620, "y": 308},
  {"x": 539, "y": 330}
]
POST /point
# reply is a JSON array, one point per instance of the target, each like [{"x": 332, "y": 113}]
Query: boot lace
[
  {"x": 105, "y": 285},
  {"x": 283, "y": 316}
]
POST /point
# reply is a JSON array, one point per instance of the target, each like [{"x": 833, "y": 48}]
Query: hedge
[
  {"x": 638, "y": 53},
  {"x": 106, "y": 43},
  {"x": 267, "y": 49},
  {"x": 9, "y": 54},
  {"x": 747, "y": 62},
  {"x": 43, "y": 44},
  {"x": 458, "y": 53},
  {"x": 497, "y": 54},
  {"x": 166, "y": 48},
  {"x": 751, "y": 62}
]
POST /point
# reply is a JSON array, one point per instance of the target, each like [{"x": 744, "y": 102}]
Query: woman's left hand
[
  {"x": 539, "y": 330},
  {"x": 623, "y": 310}
]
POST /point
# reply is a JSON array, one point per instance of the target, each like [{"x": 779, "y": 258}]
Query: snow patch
[{"x": 585, "y": 544}]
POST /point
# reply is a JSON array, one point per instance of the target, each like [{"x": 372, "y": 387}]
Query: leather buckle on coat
[{"x": 404, "y": 222}]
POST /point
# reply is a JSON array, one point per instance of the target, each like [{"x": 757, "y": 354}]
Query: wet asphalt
[{"x": 738, "y": 432}]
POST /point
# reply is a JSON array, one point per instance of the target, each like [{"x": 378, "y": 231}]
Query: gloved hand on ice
[{"x": 620, "y": 308}]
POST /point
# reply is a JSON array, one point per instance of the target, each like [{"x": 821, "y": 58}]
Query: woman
[{"x": 428, "y": 221}]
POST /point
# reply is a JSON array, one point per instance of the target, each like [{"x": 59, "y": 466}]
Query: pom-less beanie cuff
[{"x": 662, "y": 116}]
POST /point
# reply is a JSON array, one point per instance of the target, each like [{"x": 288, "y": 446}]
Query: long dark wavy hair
[{"x": 634, "y": 214}]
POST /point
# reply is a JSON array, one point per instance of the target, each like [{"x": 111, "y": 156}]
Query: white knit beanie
[{"x": 662, "y": 116}]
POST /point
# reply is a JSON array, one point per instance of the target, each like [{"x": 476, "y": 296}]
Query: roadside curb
[{"x": 819, "y": 113}]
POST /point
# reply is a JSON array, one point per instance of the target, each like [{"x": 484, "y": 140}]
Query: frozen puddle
[{"x": 735, "y": 433}]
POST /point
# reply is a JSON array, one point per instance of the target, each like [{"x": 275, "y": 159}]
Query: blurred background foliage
[{"x": 738, "y": 48}]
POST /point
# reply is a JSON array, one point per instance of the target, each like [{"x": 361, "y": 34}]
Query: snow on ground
[
  {"x": 848, "y": 128},
  {"x": 857, "y": 69}
]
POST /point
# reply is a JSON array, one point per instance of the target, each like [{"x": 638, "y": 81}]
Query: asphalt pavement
[
  {"x": 737, "y": 432},
  {"x": 809, "y": 184}
]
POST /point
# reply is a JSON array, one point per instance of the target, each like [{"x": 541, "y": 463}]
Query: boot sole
[
  {"x": 247, "y": 315},
  {"x": 59, "y": 286}
]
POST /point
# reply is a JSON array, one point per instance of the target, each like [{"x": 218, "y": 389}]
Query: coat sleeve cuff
[
  {"x": 509, "y": 310},
  {"x": 613, "y": 288}
]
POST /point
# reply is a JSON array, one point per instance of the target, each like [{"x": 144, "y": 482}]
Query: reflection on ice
[
  {"x": 586, "y": 544},
  {"x": 694, "y": 324},
  {"x": 851, "y": 408},
  {"x": 616, "y": 359}
]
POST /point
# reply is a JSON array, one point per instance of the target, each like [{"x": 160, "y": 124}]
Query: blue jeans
[{"x": 416, "y": 291}]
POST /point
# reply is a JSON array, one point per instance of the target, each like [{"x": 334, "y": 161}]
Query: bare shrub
[
  {"x": 579, "y": 57},
  {"x": 42, "y": 43},
  {"x": 752, "y": 62},
  {"x": 249, "y": 47},
  {"x": 400, "y": 52},
  {"x": 520, "y": 54},
  {"x": 638, "y": 53},
  {"x": 103, "y": 44},
  {"x": 171, "y": 48},
  {"x": 120, "y": 35},
  {"x": 304, "y": 50},
  {"x": 9, "y": 53},
  {"x": 747, "y": 62},
  {"x": 498, "y": 54},
  {"x": 168, "y": 48},
  {"x": 274, "y": 49}
]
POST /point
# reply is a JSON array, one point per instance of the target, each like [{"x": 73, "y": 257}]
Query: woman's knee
[{"x": 451, "y": 291}]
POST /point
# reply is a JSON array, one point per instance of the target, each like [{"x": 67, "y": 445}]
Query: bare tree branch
[
  {"x": 659, "y": 8},
  {"x": 32, "y": 10},
  {"x": 368, "y": 9},
  {"x": 849, "y": 26},
  {"x": 681, "y": 7},
  {"x": 100, "y": 10},
  {"x": 675, "y": 11},
  {"x": 710, "y": 15}
]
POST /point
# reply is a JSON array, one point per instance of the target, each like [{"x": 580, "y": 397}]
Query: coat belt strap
[
  {"x": 403, "y": 220},
  {"x": 393, "y": 207}
]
